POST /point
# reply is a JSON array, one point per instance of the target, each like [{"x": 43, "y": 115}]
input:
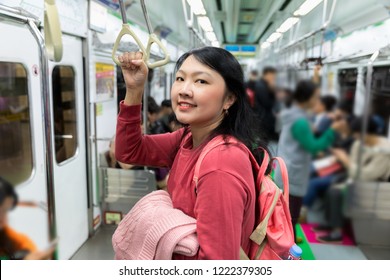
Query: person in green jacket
[{"x": 297, "y": 143}]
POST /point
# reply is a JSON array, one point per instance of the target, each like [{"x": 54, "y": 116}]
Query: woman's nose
[{"x": 186, "y": 90}]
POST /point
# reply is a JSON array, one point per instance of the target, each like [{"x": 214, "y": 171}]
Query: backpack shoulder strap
[
  {"x": 217, "y": 141},
  {"x": 258, "y": 235},
  {"x": 284, "y": 173}
]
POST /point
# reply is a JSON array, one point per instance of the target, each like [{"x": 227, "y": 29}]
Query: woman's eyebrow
[{"x": 194, "y": 73}]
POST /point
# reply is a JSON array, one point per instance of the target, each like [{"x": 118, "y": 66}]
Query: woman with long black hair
[{"x": 209, "y": 98}]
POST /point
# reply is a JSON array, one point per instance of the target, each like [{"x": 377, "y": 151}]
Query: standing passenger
[
  {"x": 298, "y": 143},
  {"x": 264, "y": 106},
  {"x": 208, "y": 96},
  {"x": 250, "y": 86}
]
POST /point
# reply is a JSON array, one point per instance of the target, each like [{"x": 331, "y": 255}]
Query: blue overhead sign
[
  {"x": 241, "y": 48},
  {"x": 248, "y": 48},
  {"x": 232, "y": 48}
]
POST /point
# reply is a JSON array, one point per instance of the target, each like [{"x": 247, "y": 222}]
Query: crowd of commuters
[{"x": 311, "y": 127}]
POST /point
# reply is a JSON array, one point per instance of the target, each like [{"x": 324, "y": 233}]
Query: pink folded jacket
[{"x": 154, "y": 230}]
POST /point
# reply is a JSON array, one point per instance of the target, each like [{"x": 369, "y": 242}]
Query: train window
[
  {"x": 380, "y": 103},
  {"x": 16, "y": 161},
  {"x": 348, "y": 80},
  {"x": 64, "y": 109}
]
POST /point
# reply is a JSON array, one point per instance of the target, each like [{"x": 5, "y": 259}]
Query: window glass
[
  {"x": 64, "y": 109},
  {"x": 16, "y": 163},
  {"x": 347, "y": 86},
  {"x": 380, "y": 103}
]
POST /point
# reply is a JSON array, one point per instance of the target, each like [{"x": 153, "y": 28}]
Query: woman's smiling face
[{"x": 198, "y": 94}]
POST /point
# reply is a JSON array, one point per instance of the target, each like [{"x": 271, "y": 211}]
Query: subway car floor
[{"x": 99, "y": 246}]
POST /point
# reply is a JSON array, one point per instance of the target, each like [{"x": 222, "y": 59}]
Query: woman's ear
[{"x": 229, "y": 101}]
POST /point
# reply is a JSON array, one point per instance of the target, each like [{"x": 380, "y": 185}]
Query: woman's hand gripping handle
[{"x": 135, "y": 73}]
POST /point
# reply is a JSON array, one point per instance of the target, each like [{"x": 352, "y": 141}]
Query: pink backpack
[{"x": 273, "y": 236}]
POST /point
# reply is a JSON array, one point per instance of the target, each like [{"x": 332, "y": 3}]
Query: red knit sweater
[{"x": 225, "y": 200}]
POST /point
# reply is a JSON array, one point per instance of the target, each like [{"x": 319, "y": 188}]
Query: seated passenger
[
  {"x": 174, "y": 124},
  {"x": 153, "y": 113},
  {"x": 375, "y": 166},
  {"x": 322, "y": 119},
  {"x": 166, "y": 108},
  {"x": 15, "y": 245},
  {"x": 162, "y": 174},
  {"x": 319, "y": 184},
  {"x": 111, "y": 159}
]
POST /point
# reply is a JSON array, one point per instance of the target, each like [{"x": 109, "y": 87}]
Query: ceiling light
[
  {"x": 287, "y": 24},
  {"x": 265, "y": 45},
  {"x": 306, "y": 7},
  {"x": 205, "y": 23},
  {"x": 211, "y": 36},
  {"x": 274, "y": 36},
  {"x": 197, "y": 7}
]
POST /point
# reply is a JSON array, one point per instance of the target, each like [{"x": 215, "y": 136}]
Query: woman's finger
[
  {"x": 137, "y": 62},
  {"x": 128, "y": 59},
  {"x": 131, "y": 56},
  {"x": 138, "y": 55}
]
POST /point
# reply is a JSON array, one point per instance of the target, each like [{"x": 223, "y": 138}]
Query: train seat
[{"x": 369, "y": 208}]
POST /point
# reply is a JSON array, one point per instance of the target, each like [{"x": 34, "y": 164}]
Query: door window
[
  {"x": 64, "y": 109},
  {"x": 16, "y": 160}
]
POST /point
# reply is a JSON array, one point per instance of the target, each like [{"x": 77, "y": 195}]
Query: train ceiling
[{"x": 251, "y": 21}]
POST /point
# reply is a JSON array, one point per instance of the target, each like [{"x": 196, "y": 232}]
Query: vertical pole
[
  {"x": 46, "y": 105},
  {"x": 366, "y": 112},
  {"x": 145, "y": 110}
]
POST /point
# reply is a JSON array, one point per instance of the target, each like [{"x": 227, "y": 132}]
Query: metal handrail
[
  {"x": 189, "y": 17},
  {"x": 194, "y": 33},
  {"x": 46, "y": 105},
  {"x": 18, "y": 14},
  {"x": 367, "y": 103},
  {"x": 321, "y": 29}
]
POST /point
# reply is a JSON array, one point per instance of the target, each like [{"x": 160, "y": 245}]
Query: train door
[
  {"x": 70, "y": 174},
  {"x": 22, "y": 153}
]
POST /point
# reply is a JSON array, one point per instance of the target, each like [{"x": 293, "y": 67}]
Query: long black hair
[
  {"x": 240, "y": 121},
  {"x": 6, "y": 191}
]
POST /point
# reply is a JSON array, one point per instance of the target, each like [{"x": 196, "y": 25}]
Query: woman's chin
[
  {"x": 183, "y": 119},
  {"x": 184, "y": 122}
]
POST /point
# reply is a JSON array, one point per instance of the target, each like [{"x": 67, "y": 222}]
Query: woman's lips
[{"x": 184, "y": 106}]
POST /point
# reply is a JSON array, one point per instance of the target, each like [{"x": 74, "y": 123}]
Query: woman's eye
[
  {"x": 179, "y": 79},
  {"x": 200, "y": 81}
]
